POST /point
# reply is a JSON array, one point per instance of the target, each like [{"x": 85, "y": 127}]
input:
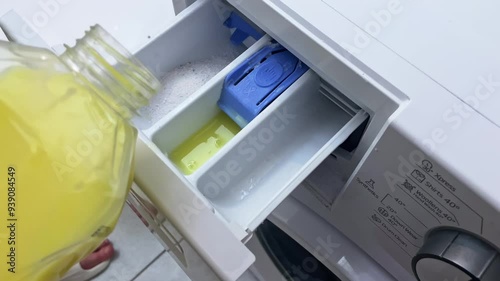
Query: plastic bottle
[{"x": 66, "y": 150}]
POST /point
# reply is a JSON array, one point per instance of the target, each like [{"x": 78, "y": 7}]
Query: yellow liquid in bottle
[
  {"x": 65, "y": 169},
  {"x": 202, "y": 145}
]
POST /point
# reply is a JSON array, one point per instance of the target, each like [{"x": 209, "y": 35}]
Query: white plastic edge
[{"x": 194, "y": 220}]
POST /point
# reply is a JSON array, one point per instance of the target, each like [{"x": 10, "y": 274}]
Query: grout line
[{"x": 148, "y": 265}]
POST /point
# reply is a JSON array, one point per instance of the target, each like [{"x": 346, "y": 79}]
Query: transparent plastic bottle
[{"x": 66, "y": 150}]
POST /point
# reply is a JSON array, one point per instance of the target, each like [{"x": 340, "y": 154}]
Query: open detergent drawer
[{"x": 212, "y": 211}]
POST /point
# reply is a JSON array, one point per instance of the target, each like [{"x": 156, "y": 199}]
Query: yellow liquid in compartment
[
  {"x": 71, "y": 170},
  {"x": 202, "y": 145}
]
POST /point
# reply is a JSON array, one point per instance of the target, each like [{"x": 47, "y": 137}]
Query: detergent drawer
[{"x": 206, "y": 216}]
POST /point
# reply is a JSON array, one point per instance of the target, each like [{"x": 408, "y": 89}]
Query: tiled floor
[{"x": 140, "y": 257}]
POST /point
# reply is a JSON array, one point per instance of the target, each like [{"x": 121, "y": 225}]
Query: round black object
[{"x": 452, "y": 254}]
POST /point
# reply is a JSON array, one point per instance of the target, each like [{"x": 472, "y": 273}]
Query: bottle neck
[{"x": 115, "y": 75}]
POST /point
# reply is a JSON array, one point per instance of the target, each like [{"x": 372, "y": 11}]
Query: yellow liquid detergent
[
  {"x": 65, "y": 169},
  {"x": 202, "y": 145}
]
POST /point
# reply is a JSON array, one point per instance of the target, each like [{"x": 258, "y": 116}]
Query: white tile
[
  {"x": 163, "y": 269},
  {"x": 136, "y": 248}
]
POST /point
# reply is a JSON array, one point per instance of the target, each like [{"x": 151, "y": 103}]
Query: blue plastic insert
[
  {"x": 242, "y": 29},
  {"x": 257, "y": 82}
]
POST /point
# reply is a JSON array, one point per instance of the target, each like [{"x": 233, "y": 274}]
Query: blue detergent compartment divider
[
  {"x": 257, "y": 82},
  {"x": 242, "y": 29}
]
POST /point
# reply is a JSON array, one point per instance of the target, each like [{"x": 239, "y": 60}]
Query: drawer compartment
[
  {"x": 277, "y": 150},
  {"x": 193, "y": 115},
  {"x": 263, "y": 163},
  {"x": 195, "y": 48},
  {"x": 217, "y": 206}
]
